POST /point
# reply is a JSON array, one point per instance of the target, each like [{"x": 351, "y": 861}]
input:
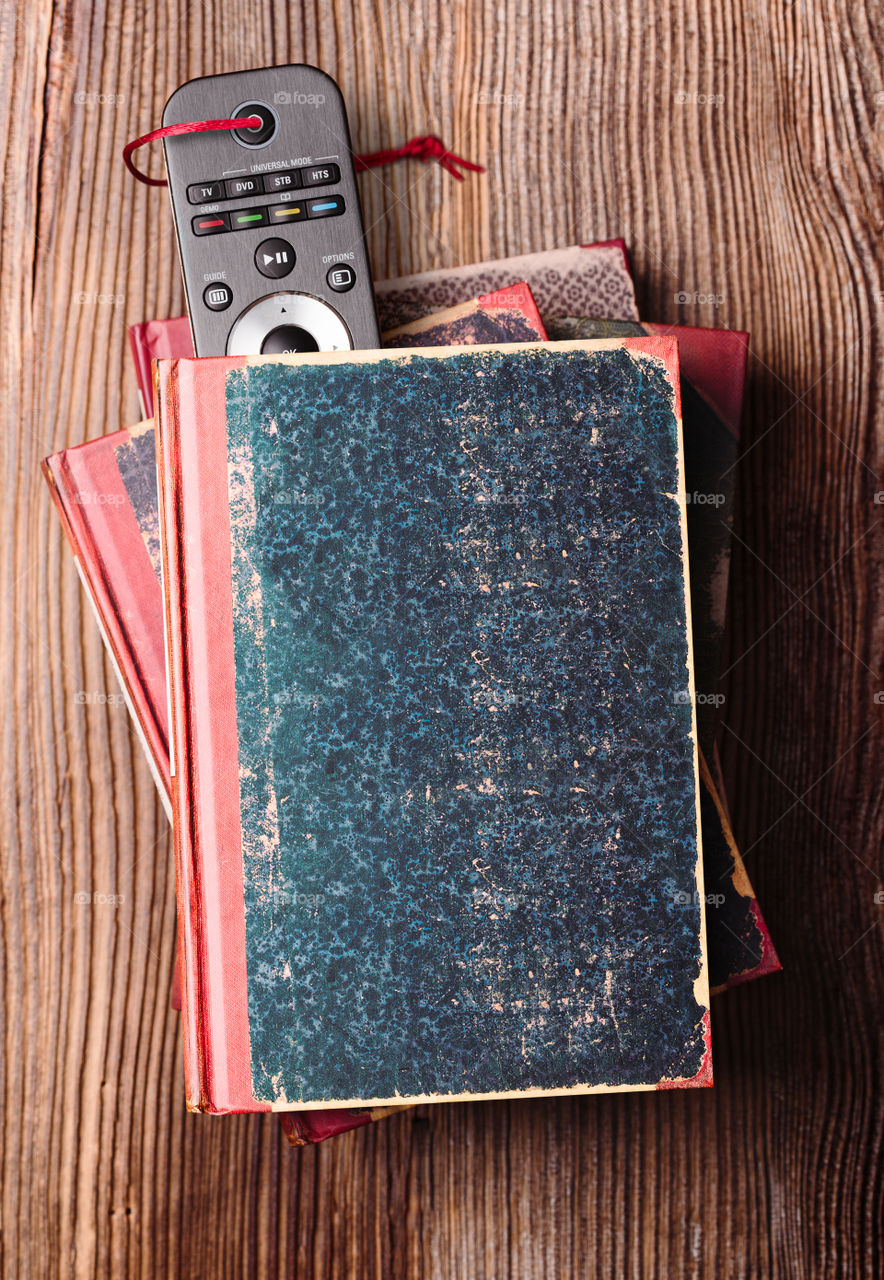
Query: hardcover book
[
  {"x": 157, "y": 340},
  {"x": 507, "y": 315},
  {"x": 713, "y": 367},
  {"x": 713, "y": 371},
  {"x": 582, "y": 280},
  {"x": 436, "y": 802},
  {"x": 105, "y": 493},
  {"x": 114, "y": 479}
]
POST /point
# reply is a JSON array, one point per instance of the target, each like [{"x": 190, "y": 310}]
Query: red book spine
[
  {"x": 120, "y": 580},
  {"x": 185, "y": 888},
  {"x": 194, "y": 513}
]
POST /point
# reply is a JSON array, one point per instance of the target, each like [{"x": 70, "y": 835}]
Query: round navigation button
[
  {"x": 341, "y": 277},
  {"x": 284, "y": 317},
  {"x": 288, "y": 338},
  {"x": 274, "y": 258},
  {"x": 218, "y": 297}
]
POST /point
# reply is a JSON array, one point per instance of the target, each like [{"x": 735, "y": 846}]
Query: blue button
[{"x": 325, "y": 207}]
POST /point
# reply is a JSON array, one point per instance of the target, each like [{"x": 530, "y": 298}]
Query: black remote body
[{"x": 268, "y": 221}]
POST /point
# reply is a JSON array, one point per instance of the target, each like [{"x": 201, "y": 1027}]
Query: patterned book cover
[
  {"x": 436, "y": 800},
  {"x": 507, "y": 315},
  {"x": 713, "y": 370},
  {"x": 582, "y": 280}
]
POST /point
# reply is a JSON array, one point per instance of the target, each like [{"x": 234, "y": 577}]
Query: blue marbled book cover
[{"x": 467, "y": 760}]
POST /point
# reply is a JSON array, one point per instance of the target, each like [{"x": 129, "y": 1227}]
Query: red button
[{"x": 211, "y": 225}]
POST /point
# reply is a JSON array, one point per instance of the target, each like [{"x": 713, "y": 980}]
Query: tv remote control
[{"x": 268, "y": 221}]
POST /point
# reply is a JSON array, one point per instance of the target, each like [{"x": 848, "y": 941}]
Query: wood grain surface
[{"x": 736, "y": 144}]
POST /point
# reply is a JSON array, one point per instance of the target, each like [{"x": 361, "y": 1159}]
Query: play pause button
[{"x": 274, "y": 258}]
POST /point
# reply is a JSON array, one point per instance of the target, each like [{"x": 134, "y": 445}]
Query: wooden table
[{"x": 737, "y": 147}]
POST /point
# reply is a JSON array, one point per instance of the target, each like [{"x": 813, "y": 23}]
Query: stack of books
[{"x": 422, "y": 645}]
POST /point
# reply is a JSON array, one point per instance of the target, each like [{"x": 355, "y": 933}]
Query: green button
[{"x": 241, "y": 219}]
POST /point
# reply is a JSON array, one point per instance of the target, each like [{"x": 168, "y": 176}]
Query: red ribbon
[
  {"x": 171, "y": 131},
  {"x": 428, "y": 148}
]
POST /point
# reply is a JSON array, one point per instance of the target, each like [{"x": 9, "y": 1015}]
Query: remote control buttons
[
  {"x": 294, "y": 212},
  {"x": 341, "y": 277},
  {"x": 282, "y": 180},
  {"x": 257, "y": 325},
  {"x": 218, "y": 297},
  {"x": 288, "y": 339},
  {"x": 325, "y": 207},
  {"x": 205, "y": 192},
  {"x": 258, "y": 137},
  {"x": 210, "y": 224},
  {"x": 274, "y": 258},
  {"x": 320, "y": 175},
  {"x": 243, "y": 219},
  {"x": 242, "y": 187}
]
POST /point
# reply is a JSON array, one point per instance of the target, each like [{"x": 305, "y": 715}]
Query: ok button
[{"x": 274, "y": 258}]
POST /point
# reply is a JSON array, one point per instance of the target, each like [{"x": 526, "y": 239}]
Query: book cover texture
[
  {"x": 467, "y": 784},
  {"x": 713, "y": 368},
  {"x": 506, "y": 315},
  {"x": 581, "y": 280}
]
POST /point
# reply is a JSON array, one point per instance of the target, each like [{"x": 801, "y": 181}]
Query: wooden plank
[{"x": 736, "y": 146}]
